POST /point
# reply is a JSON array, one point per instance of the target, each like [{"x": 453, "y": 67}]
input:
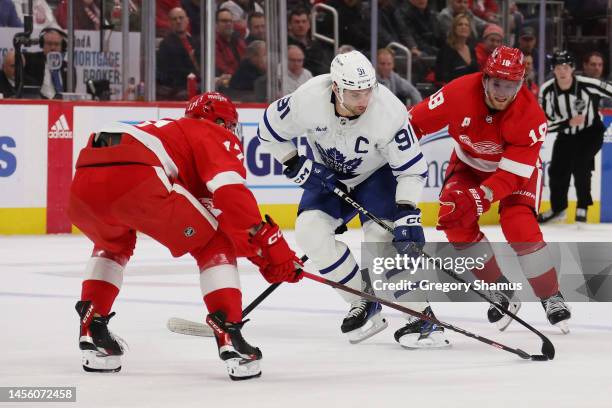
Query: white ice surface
[{"x": 307, "y": 362}]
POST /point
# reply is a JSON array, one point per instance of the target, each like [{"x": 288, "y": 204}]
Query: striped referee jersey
[{"x": 582, "y": 98}]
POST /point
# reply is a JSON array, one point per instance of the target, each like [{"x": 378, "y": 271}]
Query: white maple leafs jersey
[{"x": 354, "y": 149}]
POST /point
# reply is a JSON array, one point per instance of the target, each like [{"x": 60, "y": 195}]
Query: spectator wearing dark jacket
[
  {"x": 457, "y": 57},
  {"x": 252, "y": 68},
  {"x": 354, "y": 29},
  {"x": 389, "y": 26},
  {"x": 421, "y": 31},
  {"x": 176, "y": 58},
  {"x": 318, "y": 56}
]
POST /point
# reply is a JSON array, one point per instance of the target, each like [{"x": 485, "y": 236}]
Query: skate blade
[
  {"x": 505, "y": 321},
  {"x": 435, "y": 340},
  {"x": 373, "y": 326},
  {"x": 240, "y": 369},
  {"x": 563, "y": 325},
  {"x": 95, "y": 362}
]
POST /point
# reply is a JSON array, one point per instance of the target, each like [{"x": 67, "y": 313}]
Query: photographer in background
[
  {"x": 571, "y": 103},
  {"x": 47, "y": 69}
]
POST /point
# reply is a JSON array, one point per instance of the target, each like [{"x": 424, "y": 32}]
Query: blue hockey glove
[
  {"x": 310, "y": 175},
  {"x": 408, "y": 236}
]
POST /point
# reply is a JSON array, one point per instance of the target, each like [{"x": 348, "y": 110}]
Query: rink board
[{"x": 40, "y": 142}]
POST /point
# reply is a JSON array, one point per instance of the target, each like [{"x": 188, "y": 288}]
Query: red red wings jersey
[
  {"x": 504, "y": 144},
  {"x": 205, "y": 159}
]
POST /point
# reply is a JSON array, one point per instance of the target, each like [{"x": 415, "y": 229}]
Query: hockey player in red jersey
[
  {"x": 181, "y": 182},
  {"x": 498, "y": 128}
]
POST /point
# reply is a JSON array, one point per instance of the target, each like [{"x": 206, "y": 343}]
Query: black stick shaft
[
  {"x": 414, "y": 313},
  {"x": 264, "y": 295},
  {"x": 547, "y": 343}
]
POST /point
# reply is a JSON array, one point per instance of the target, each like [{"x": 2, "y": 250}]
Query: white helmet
[{"x": 352, "y": 71}]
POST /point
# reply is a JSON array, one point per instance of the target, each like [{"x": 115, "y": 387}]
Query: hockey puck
[{"x": 539, "y": 357}]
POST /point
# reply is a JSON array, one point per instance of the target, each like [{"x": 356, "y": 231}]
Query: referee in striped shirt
[{"x": 571, "y": 103}]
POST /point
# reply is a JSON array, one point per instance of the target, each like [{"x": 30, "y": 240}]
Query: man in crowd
[
  {"x": 176, "y": 58},
  {"x": 404, "y": 90}
]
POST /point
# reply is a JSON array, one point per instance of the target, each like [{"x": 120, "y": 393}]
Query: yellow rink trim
[
  {"x": 25, "y": 221},
  {"x": 285, "y": 214},
  {"x": 32, "y": 221}
]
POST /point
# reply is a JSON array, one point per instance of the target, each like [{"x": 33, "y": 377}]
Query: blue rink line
[{"x": 264, "y": 308}]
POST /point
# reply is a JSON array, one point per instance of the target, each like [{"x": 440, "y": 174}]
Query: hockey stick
[
  {"x": 522, "y": 354},
  {"x": 191, "y": 328},
  {"x": 548, "y": 350}
]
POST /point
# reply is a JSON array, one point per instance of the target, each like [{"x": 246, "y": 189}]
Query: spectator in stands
[
  {"x": 318, "y": 56},
  {"x": 492, "y": 38},
  {"x": 252, "y": 68},
  {"x": 389, "y": 25},
  {"x": 343, "y": 49},
  {"x": 455, "y": 7},
  {"x": 86, "y": 14},
  {"x": 296, "y": 73},
  {"x": 240, "y": 10},
  {"x": 353, "y": 27},
  {"x": 485, "y": 9},
  {"x": 421, "y": 31},
  {"x": 162, "y": 8},
  {"x": 192, "y": 8},
  {"x": 400, "y": 87},
  {"x": 36, "y": 72},
  {"x": 257, "y": 27},
  {"x": 229, "y": 46},
  {"x": 176, "y": 58},
  {"x": 42, "y": 13},
  {"x": 530, "y": 79},
  {"x": 457, "y": 57},
  {"x": 527, "y": 44},
  {"x": 593, "y": 65},
  {"x": 8, "y": 15},
  {"x": 7, "y": 75}
]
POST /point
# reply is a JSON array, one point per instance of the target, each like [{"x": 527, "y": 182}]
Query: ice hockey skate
[
  {"x": 363, "y": 321},
  {"x": 421, "y": 334},
  {"x": 557, "y": 311},
  {"x": 101, "y": 350},
  {"x": 241, "y": 359},
  {"x": 498, "y": 317},
  {"x": 552, "y": 217}
]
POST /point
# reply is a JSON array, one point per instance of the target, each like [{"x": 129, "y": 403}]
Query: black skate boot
[
  {"x": 101, "y": 350},
  {"x": 550, "y": 217},
  {"x": 363, "y": 321},
  {"x": 496, "y": 316},
  {"x": 557, "y": 312},
  {"x": 241, "y": 359},
  {"x": 419, "y": 333}
]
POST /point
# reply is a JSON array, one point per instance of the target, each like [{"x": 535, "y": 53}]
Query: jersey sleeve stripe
[
  {"x": 408, "y": 164},
  {"x": 223, "y": 179},
  {"x": 514, "y": 167},
  {"x": 269, "y": 127},
  {"x": 260, "y": 137}
]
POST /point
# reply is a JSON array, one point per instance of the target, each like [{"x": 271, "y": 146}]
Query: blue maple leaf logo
[{"x": 336, "y": 161}]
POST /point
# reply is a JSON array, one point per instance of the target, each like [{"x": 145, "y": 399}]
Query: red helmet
[
  {"x": 505, "y": 63},
  {"x": 215, "y": 107}
]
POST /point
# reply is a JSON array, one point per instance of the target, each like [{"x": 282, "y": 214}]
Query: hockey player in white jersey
[{"x": 360, "y": 138}]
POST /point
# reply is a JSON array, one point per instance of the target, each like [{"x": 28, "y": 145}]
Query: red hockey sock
[
  {"x": 228, "y": 300},
  {"x": 101, "y": 293},
  {"x": 490, "y": 272}
]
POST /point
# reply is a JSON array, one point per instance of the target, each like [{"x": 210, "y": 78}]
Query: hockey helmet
[
  {"x": 215, "y": 107},
  {"x": 352, "y": 71},
  {"x": 506, "y": 63},
  {"x": 562, "y": 57}
]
